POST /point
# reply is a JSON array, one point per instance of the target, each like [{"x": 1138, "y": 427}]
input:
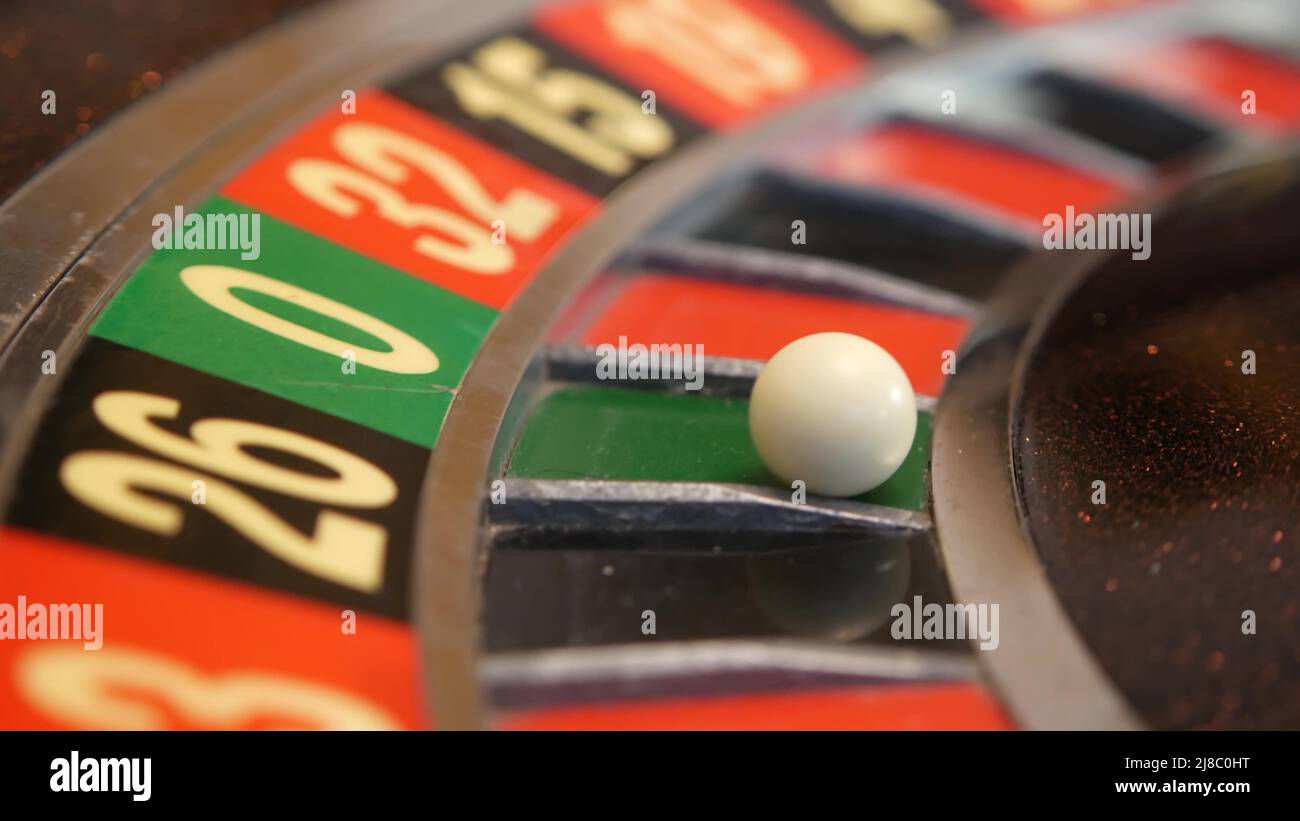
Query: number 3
[{"x": 90, "y": 690}]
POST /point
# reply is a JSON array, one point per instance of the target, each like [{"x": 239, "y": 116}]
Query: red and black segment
[
  {"x": 951, "y": 167},
  {"x": 382, "y": 475},
  {"x": 873, "y": 229},
  {"x": 1147, "y": 129},
  {"x": 1227, "y": 81}
]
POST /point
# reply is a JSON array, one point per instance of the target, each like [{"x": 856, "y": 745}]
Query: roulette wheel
[{"x": 405, "y": 382}]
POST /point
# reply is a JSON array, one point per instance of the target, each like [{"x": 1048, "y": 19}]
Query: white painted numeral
[
  {"x": 342, "y": 549},
  {"x": 124, "y": 689},
  {"x": 215, "y": 285}
]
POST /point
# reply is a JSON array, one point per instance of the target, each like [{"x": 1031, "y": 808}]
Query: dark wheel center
[{"x": 1183, "y": 582}]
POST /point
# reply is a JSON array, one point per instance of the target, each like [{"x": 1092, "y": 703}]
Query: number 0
[{"x": 215, "y": 285}]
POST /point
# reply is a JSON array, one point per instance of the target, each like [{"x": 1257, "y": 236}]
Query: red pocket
[
  {"x": 183, "y": 651},
  {"x": 754, "y": 323},
  {"x": 947, "y": 706},
  {"x": 1019, "y": 187}
]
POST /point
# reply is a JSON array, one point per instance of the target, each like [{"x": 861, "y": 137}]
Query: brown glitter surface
[
  {"x": 98, "y": 56},
  {"x": 1201, "y": 461}
]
